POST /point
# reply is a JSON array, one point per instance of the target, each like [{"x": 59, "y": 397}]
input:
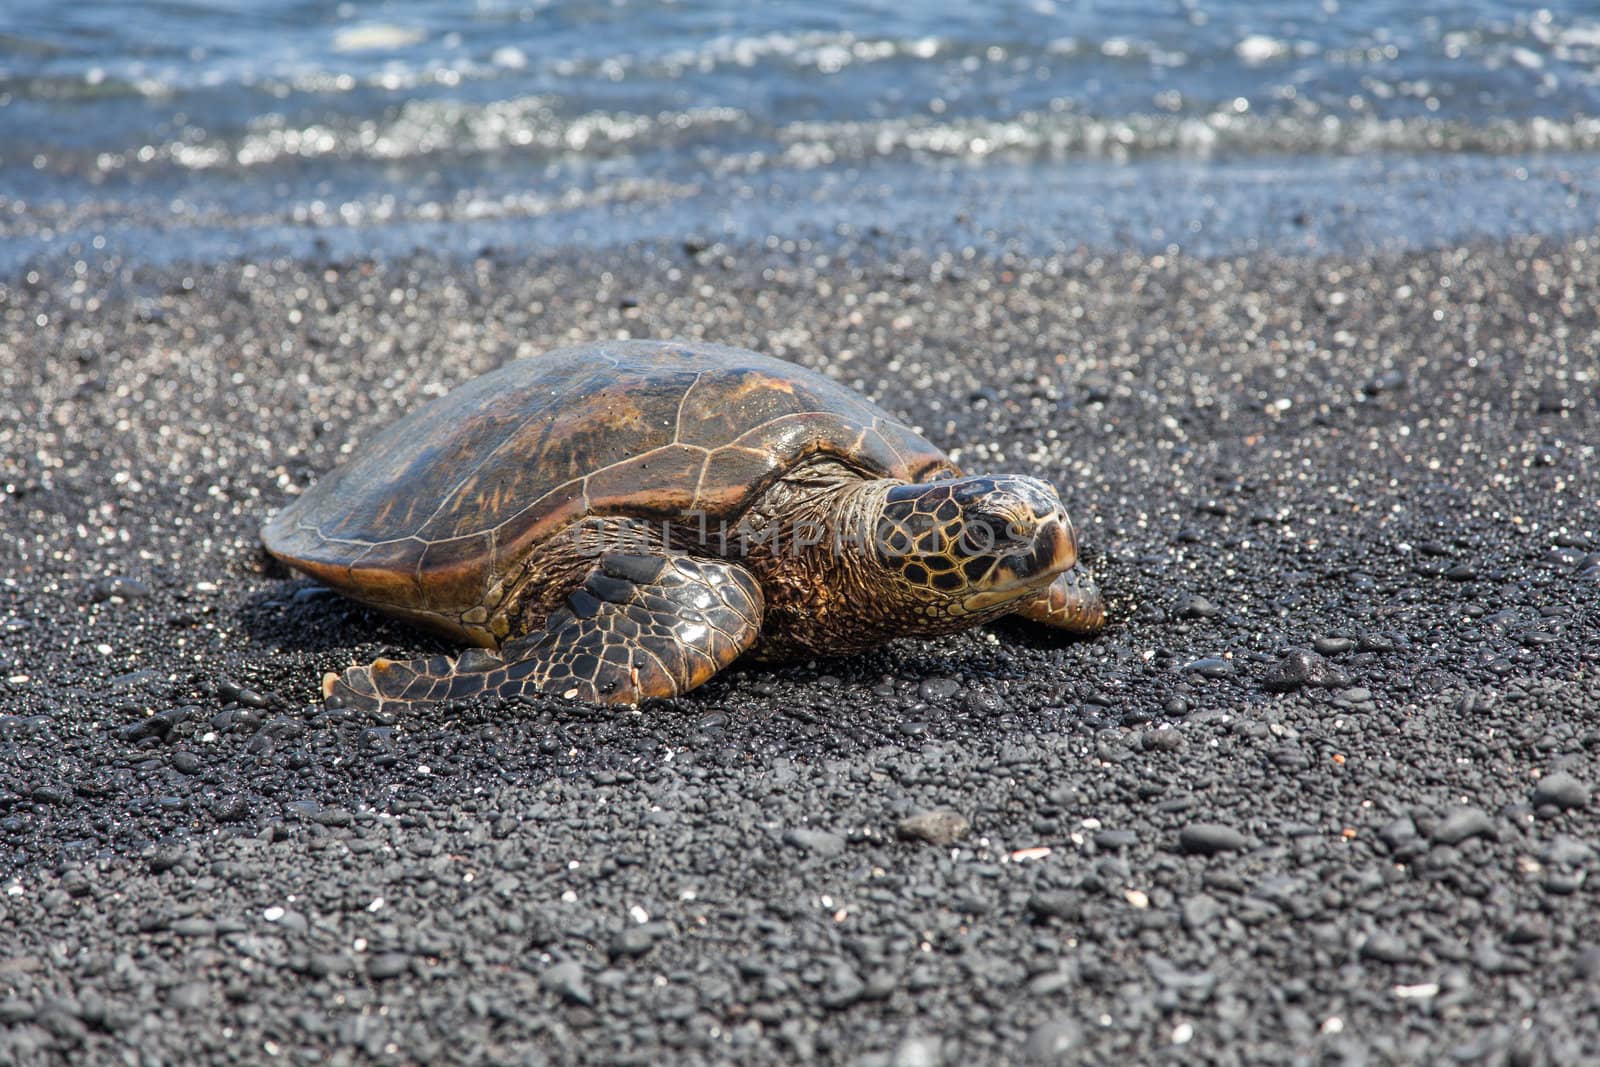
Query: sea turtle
[{"x": 620, "y": 521}]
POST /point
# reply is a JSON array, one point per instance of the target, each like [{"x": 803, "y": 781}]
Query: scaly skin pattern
[
  {"x": 638, "y": 627},
  {"x": 852, "y": 564},
  {"x": 1072, "y": 603}
]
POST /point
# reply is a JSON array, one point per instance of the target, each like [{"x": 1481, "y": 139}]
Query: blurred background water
[{"x": 167, "y": 129}]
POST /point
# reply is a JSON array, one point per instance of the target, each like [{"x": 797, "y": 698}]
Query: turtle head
[{"x": 961, "y": 550}]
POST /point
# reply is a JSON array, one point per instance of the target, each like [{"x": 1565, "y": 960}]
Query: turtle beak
[{"x": 1053, "y": 549}]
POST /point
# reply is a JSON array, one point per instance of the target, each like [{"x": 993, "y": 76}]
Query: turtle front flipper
[
  {"x": 639, "y": 627},
  {"x": 1072, "y": 602}
]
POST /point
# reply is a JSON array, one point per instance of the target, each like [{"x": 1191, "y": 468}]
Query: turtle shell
[{"x": 434, "y": 512}]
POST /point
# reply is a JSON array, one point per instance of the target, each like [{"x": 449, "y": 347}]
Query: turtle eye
[{"x": 985, "y": 533}]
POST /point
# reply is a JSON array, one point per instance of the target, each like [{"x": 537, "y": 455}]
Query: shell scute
[
  {"x": 733, "y": 473},
  {"x": 673, "y": 471},
  {"x": 455, "y": 571}
]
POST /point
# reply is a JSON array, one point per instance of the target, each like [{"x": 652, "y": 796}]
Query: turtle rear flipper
[
  {"x": 1072, "y": 603},
  {"x": 639, "y": 627}
]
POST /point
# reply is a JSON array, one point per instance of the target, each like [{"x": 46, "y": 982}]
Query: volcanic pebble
[{"x": 1207, "y": 838}]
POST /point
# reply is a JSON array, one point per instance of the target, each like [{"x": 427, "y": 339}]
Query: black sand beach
[{"x": 1321, "y": 794}]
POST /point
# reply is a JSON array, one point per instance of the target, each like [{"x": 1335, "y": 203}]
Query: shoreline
[
  {"x": 1325, "y": 784},
  {"x": 1363, "y": 204}
]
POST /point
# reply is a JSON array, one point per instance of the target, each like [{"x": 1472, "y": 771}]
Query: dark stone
[
  {"x": 1114, "y": 840},
  {"x": 233, "y": 692},
  {"x": 1056, "y": 904},
  {"x": 938, "y": 690},
  {"x": 639, "y": 939},
  {"x": 1050, "y": 1042},
  {"x": 566, "y": 980},
  {"x": 940, "y": 826},
  {"x": 121, "y": 588},
  {"x": 844, "y": 987},
  {"x": 1561, "y": 790},
  {"x": 820, "y": 842},
  {"x": 387, "y": 965},
  {"x": 1461, "y": 824},
  {"x": 1208, "y": 838},
  {"x": 1300, "y": 668},
  {"x": 1209, "y": 667},
  {"x": 1386, "y": 948}
]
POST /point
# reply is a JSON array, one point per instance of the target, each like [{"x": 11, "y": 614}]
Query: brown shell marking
[{"x": 456, "y": 494}]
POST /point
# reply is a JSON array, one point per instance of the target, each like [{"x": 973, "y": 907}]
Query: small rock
[
  {"x": 1379, "y": 641},
  {"x": 820, "y": 842},
  {"x": 1399, "y": 833},
  {"x": 1300, "y": 668},
  {"x": 1563, "y": 883},
  {"x": 1461, "y": 824},
  {"x": 1113, "y": 840},
  {"x": 230, "y": 691},
  {"x": 935, "y": 690},
  {"x": 1561, "y": 790},
  {"x": 60, "y": 1016},
  {"x": 333, "y": 817},
  {"x": 715, "y": 720},
  {"x": 1199, "y": 910},
  {"x": 844, "y": 988},
  {"x": 1161, "y": 741},
  {"x": 157, "y": 725},
  {"x": 1386, "y": 948},
  {"x": 1056, "y": 904},
  {"x": 1564, "y": 851},
  {"x": 918, "y": 1050},
  {"x": 132, "y": 679},
  {"x": 637, "y": 940},
  {"x": 977, "y": 702},
  {"x": 230, "y": 807},
  {"x": 50, "y": 794},
  {"x": 1209, "y": 838},
  {"x": 165, "y": 859},
  {"x": 119, "y": 587},
  {"x": 191, "y": 996},
  {"x": 1197, "y": 607},
  {"x": 1488, "y": 958},
  {"x": 1052, "y": 1041},
  {"x": 566, "y": 980},
  {"x": 1050, "y": 982},
  {"x": 1209, "y": 667},
  {"x": 940, "y": 826},
  {"x": 388, "y": 965},
  {"x": 1290, "y": 756},
  {"x": 1387, "y": 382}
]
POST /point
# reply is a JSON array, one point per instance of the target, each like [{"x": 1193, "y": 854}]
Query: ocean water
[{"x": 154, "y": 129}]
